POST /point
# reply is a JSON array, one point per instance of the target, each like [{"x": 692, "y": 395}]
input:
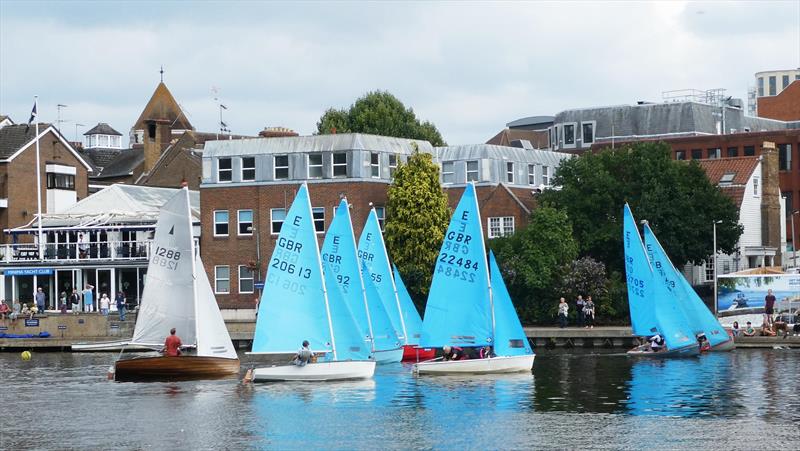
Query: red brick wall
[
  {"x": 784, "y": 106},
  {"x": 495, "y": 201}
]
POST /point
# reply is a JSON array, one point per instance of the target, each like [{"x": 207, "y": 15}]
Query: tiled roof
[
  {"x": 102, "y": 157},
  {"x": 538, "y": 139},
  {"x": 13, "y": 137},
  {"x": 102, "y": 129},
  {"x": 123, "y": 164},
  {"x": 741, "y": 167}
]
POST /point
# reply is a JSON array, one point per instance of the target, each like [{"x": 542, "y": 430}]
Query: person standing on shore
[
  {"x": 40, "y": 299},
  {"x": 121, "y": 305},
  {"x": 563, "y": 311},
  {"x": 580, "y": 302},
  {"x": 75, "y": 300},
  {"x": 88, "y": 298},
  {"x": 588, "y": 312},
  {"x": 769, "y": 305},
  {"x": 105, "y": 304}
]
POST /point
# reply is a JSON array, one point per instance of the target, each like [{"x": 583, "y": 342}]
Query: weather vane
[{"x": 162, "y": 73}]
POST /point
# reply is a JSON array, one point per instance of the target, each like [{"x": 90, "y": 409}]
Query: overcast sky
[{"x": 468, "y": 67}]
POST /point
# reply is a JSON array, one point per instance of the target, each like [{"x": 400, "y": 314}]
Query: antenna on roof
[
  {"x": 59, "y": 121},
  {"x": 162, "y": 73}
]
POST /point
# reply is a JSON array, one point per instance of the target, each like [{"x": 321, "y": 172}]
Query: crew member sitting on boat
[
  {"x": 486, "y": 352},
  {"x": 303, "y": 356},
  {"x": 702, "y": 340},
  {"x": 452, "y": 353},
  {"x": 656, "y": 343},
  {"x": 172, "y": 345}
]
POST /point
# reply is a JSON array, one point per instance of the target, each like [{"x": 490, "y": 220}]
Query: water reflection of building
[{"x": 103, "y": 240}]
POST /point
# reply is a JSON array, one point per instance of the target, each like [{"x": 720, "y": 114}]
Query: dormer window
[
  {"x": 727, "y": 179},
  {"x": 104, "y": 137}
]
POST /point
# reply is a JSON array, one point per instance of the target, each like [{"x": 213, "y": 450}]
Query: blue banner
[{"x": 28, "y": 272}]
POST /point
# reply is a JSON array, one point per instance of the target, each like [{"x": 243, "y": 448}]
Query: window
[
  {"x": 697, "y": 154},
  {"x": 785, "y": 82},
  {"x": 714, "y": 153},
  {"x": 340, "y": 164},
  {"x": 569, "y": 135},
  {"x": 246, "y": 279},
  {"x": 532, "y": 174},
  {"x": 319, "y": 219},
  {"x": 248, "y": 169},
  {"x": 773, "y": 85},
  {"x": 448, "y": 174},
  {"x": 710, "y": 270},
  {"x": 221, "y": 223},
  {"x": 501, "y": 226},
  {"x": 103, "y": 140},
  {"x": 726, "y": 266},
  {"x": 222, "y": 279},
  {"x": 380, "y": 212},
  {"x": 551, "y": 136},
  {"x": 375, "y": 165},
  {"x": 558, "y": 135},
  {"x": 509, "y": 172},
  {"x": 727, "y": 179},
  {"x": 281, "y": 167},
  {"x": 761, "y": 86},
  {"x": 315, "y": 166},
  {"x": 392, "y": 164},
  {"x": 680, "y": 154},
  {"x": 116, "y": 142},
  {"x": 60, "y": 181},
  {"x": 587, "y": 129},
  {"x": 472, "y": 171},
  {"x": 755, "y": 186},
  {"x": 733, "y": 151},
  {"x": 224, "y": 170},
  {"x": 245, "y": 218},
  {"x": 749, "y": 151},
  {"x": 276, "y": 218},
  {"x": 785, "y": 157},
  {"x": 546, "y": 175}
]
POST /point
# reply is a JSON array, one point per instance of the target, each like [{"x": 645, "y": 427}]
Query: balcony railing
[{"x": 76, "y": 252}]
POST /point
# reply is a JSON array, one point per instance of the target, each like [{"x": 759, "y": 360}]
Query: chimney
[
  {"x": 771, "y": 219},
  {"x": 157, "y": 135}
]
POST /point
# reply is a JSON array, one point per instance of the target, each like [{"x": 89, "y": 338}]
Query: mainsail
[
  {"x": 639, "y": 278},
  {"x": 410, "y": 314},
  {"x": 382, "y": 330}
]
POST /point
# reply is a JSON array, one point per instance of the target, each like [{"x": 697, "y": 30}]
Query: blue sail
[
  {"x": 345, "y": 295},
  {"x": 639, "y": 276},
  {"x": 510, "y": 338},
  {"x": 700, "y": 318},
  {"x": 293, "y": 304},
  {"x": 458, "y": 311},
  {"x": 382, "y": 329},
  {"x": 410, "y": 314},
  {"x": 372, "y": 251}
]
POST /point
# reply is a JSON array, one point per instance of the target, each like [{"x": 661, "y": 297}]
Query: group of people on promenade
[
  {"x": 585, "y": 312},
  {"x": 66, "y": 304}
]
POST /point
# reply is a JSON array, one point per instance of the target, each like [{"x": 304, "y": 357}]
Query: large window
[
  {"x": 319, "y": 219},
  {"x": 680, "y": 154},
  {"x": 60, "y": 181},
  {"x": 221, "y": 223},
  {"x": 785, "y": 82},
  {"x": 761, "y": 86},
  {"x": 569, "y": 135},
  {"x": 340, "y": 164},
  {"x": 222, "y": 279},
  {"x": 546, "y": 175},
  {"x": 773, "y": 85},
  {"x": 375, "y": 165},
  {"x": 248, "y": 169},
  {"x": 315, "y": 166},
  {"x": 380, "y": 212},
  {"x": 392, "y": 164},
  {"x": 501, "y": 226},
  {"x": 697, "y": 154},
  {"x": 587, "y": 129},
  {"x": 532, "y": 174},
  {"x": 749, "y": 151},
  {"x": 785, "y": 157},
  {"x": 448, "y": 173},
  {"x": 472, "y": 171},
  {"x": 276, "y": 218},
  {"x": 224, "y": 170},
  {"x": 714, "y": 153},
  {"x": 709, "y": 270},
  {"x": 755, "y": 186},
  {"x": 281, "y": 167},
  {"x": 246, "y": 279},
  {"x": 733, "y": 151},
  {"x": 509, "y": 172},
  {"x": 245, "y": 219}
]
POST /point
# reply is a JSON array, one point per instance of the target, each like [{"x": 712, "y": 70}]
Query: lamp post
[{"x": 715, "y": 265}]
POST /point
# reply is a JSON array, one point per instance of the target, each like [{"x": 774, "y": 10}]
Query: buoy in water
[{"x": 26, "y": 355}]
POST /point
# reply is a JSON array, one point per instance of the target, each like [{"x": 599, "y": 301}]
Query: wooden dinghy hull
[
  {"x": 494, "y": 365},
  {"x": 413, "y": 353},
  {"x": 174, "y": 368},
  {"x": 316, "y": 372}
]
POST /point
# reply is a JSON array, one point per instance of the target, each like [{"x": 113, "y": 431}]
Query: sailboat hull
[
  {"x": 413, "y": 353},
  {"x": 689, "y": 351},
  {"x": 494, "y": 365},
  {"x": 725, "y": 346},
  {"x": 388, "y": 356},
  {"x": 174, "y": 368},
  {"x": 317, "y": 372}
]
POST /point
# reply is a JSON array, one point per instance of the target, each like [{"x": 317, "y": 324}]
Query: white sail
[
  {"x": 168, "y": 297},
  {"x": 213, "y": 339}
]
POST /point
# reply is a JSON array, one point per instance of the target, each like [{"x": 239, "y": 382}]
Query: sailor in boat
[
  {"x": 172, "y": 345},
  {"x": 452, "y": 353},
  {"x": 303, "y": 356},
  {"x": 702, "y": 341},
  {"x": 656, "y": 343},
  {"x": 486, "y": 352}
]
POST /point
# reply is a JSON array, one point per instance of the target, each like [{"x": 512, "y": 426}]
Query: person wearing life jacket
[
  {"x": 304, "y": 355},
  {"x": 452, "y": 353},
  {"x": 656, "y": 343},
  {"x": 486, "y": 352},
  {"x": 705, "y": 346}
]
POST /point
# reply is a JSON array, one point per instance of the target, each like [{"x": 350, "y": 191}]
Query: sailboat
[
  {"x": 343, "y": 277},
  {"x": 701, "y": 320},
  {"x": 468, "y": 309},
  {"x": 651, "y": 306},
  {"x": 411, "y": 352},
  {"x": 296, "y": 306},
  {"x": 178, "y": 294},
  {"x": 373, "y": 255}
]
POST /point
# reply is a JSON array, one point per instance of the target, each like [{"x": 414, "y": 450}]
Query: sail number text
[{"x": 166, "y": 258}]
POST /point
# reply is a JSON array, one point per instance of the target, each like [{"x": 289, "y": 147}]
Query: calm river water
[{"x": 746, "y": 399}]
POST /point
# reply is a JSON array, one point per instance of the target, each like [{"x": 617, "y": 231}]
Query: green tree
[
  {"x": 676, "y": 198},
  {"x": 379, "y": 113},
  {"x": 416, "y": 221},
  {"x": 532, "y": 261}
]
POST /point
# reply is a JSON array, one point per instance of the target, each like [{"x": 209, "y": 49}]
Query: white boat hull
[
  {"x": 388, "y": 356},
  {"x": 317, "y": 372},
  {"x": 107, "y": 346},
  {"x": 494, "y": 365}
]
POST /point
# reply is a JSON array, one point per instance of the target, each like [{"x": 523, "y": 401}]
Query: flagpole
[{"x": 38, "y": 179}]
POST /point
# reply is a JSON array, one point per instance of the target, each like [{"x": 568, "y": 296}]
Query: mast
[
  {"x": 391, "y": 278},
  {"x": 483, "y": 251},
  {"x": 194, "y": 268},
  {"x": 321, "y": 272}
]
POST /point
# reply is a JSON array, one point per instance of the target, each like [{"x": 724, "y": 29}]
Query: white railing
[{"x": 104, "y": 251}]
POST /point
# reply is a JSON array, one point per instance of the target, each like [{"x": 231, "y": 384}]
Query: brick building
[{"x": 784, "y": 106}]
